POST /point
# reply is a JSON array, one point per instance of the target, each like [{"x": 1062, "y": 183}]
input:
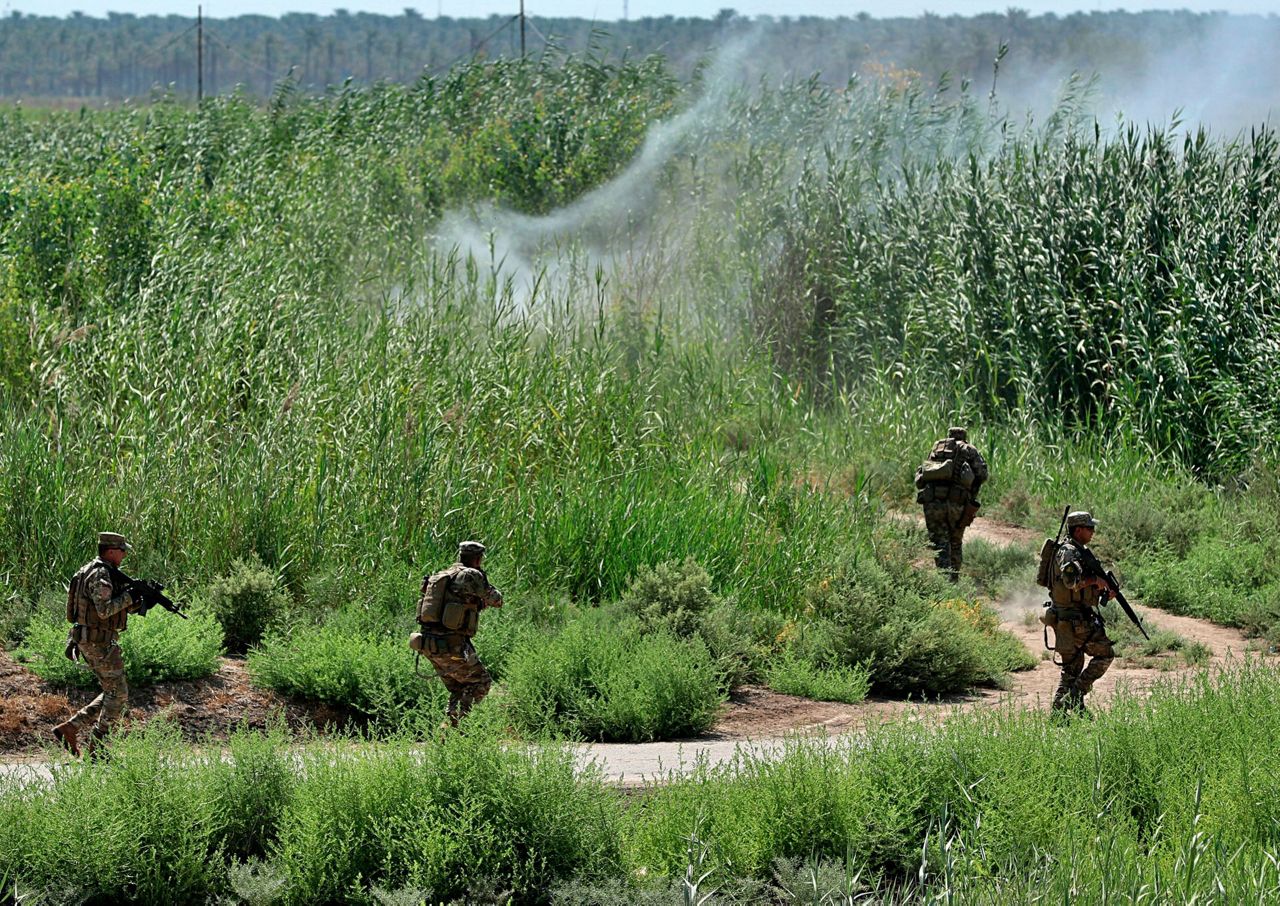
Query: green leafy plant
[
  {"x": 156, "y": 647},
  {"x": 247, "y": 601}
]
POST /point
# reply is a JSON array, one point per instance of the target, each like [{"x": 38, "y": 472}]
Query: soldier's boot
[
  {"x": 1068, "y": 700},
  {"x": 65, "y": 733}
]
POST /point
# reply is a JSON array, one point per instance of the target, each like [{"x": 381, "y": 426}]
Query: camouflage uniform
[
  {"x": 98, "y": 606},
  {"x": 945, "y": 502},
  {"x": 451, "y": 651},
  {"x": 1077, "y": 625}
]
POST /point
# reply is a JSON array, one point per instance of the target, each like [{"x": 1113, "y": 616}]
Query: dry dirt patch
[{"x": 211, "y": 707}]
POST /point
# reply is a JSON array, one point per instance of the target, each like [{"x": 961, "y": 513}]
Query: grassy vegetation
[
  {"x": 161, "y": 647},
  {"x": 1171, "y": 794},
  {"x": 685, "y": 414}
]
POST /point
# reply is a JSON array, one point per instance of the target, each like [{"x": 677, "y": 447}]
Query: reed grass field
[{"x": 672, "y": 350}]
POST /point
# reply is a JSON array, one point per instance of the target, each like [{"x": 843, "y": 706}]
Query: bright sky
[{"x": 613, "y": 9}]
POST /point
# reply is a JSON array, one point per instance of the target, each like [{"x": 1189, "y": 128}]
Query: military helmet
[
  {"x": 113, "y": 539},
  {"x": 469, "y": 549},
  {"x": 958, "y": 433},
  {"x": 1081, "y": 518}
]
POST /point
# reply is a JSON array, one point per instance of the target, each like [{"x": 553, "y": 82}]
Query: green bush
[
  {"x": 676, "y": 597},
  {"x": 1230, "y": 581},
  {"x": 907, "y": 627},
  {"x": 791, "y": 675},
  {"x": 248, "y": 600},
  {"x": 601, "y": 678},
  {"x": 371, "y": 674},
  {"x": 673, "y": 596},
  {"x": 157, "y": 647},
  {"x": 161, "y": 824}
]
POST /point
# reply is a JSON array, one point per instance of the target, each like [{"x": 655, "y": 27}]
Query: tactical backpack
[
  {"x": 1048, "y": 553},
  {"x": 431, "y": 606},
  {"x": 942, "y": 465},
  {"x": 431, "y": 602}
]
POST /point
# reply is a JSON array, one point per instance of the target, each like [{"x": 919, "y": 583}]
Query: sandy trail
[{"x": 758, "y": 720}]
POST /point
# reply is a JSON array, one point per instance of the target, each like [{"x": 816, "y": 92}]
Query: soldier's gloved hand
[{"x": 71, "y": 651}]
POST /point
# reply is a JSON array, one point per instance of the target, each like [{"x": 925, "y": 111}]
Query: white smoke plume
[{"x": 512, "y": 243}]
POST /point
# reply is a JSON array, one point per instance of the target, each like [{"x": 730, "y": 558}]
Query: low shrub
[
  {"x": 791, "y": 675},
  {"x": 1228, "y": 582},
  {"x": 676, "y": 597},
  {"x": 601, "y": 678},
  {"x": 157, "y": 647},
  {"x": 908, "y": 627},
  {"x": 247, "y": 601},
  {"x": 371, "y": 674},
  {"x": 1166, "y": 518}
]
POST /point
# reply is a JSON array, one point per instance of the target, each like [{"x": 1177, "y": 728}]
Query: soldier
[
  {"x": 98, "y": 606},
  {"x": 1077, "y": 625},
  {"x": 448, "y": 615},
  {"x": 949, "y": 480}
]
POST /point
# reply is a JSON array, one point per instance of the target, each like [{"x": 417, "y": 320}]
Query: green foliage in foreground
[
  {"x": 601, "y": 678},
  {"x": 159, "y": 646},
  {"x": 349, "y": 667},
  {"x": 1176, "y": 794},
  {"x": 792, "y": 676}
]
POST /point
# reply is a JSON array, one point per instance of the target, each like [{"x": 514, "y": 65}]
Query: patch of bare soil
[
  {"x": 993, "y": 531},
  {"x": 205, "y": 708}
]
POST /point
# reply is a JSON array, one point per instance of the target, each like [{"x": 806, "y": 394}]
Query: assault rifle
[
  {"x": 148, "y": 593},
  {"x": 1092, "y": 567}
]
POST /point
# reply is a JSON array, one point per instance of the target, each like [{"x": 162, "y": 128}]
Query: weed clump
[
  {"x": 369, "y": 673},
  {"x": 906, "y": 628},
  {"x": 793, "y": 676},
  {"x": 602, "y": 678},
  {"x": 248, "y": 600},
  {"x": 676, "y": 597}
]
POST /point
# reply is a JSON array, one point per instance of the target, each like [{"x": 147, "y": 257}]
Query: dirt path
[{"x": 755, "y": 718}]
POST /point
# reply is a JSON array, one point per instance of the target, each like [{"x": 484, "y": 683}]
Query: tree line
[{"x": 80, "y": 59}]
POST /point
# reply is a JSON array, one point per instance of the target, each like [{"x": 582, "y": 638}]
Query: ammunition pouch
[
  {"x": 958, "y": 495},
  {"x": 430, "y": 611},
  {"x": 964, "y": 476},
  {"x": 431, "y": 643},
  {"x": 81, "y": 633},
  {"x": 459, "y": 617}
]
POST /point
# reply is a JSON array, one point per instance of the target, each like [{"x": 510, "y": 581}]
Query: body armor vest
[
  {"x": 1075, "y": 599},
  {"x": 80, "y": 607}
]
